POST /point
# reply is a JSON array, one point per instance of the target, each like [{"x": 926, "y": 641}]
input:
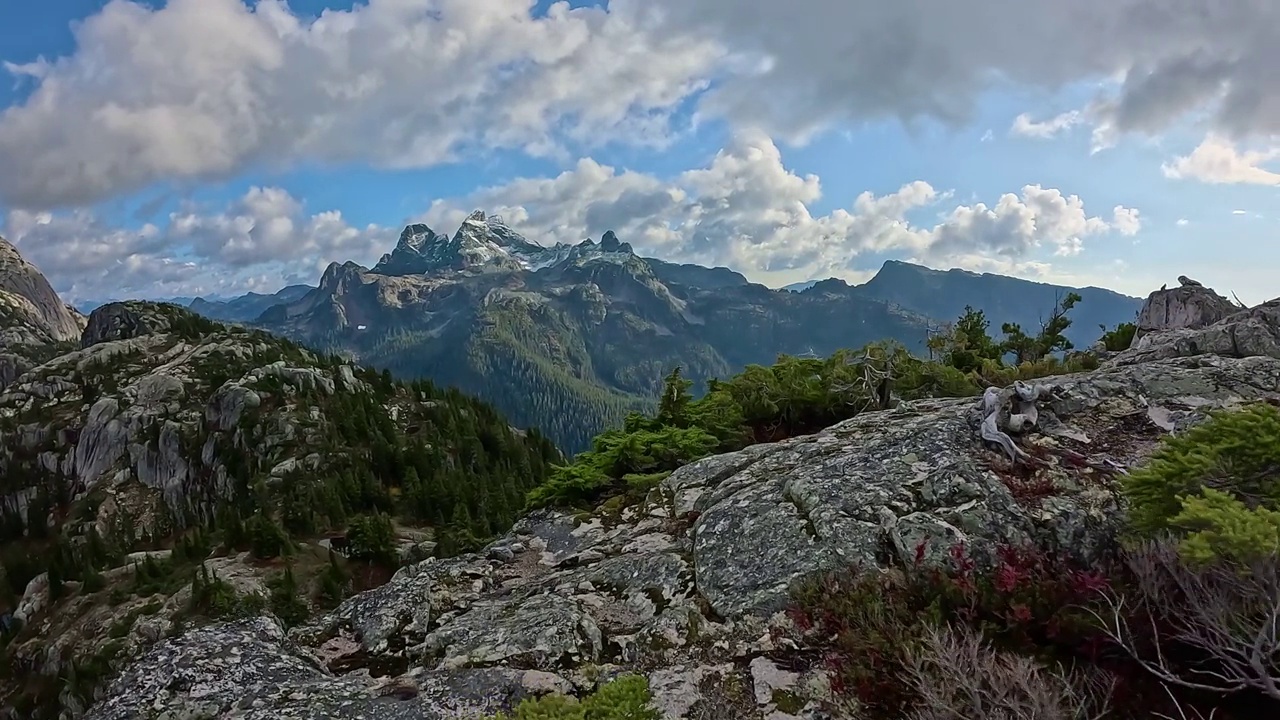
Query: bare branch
[
  {"x": 1222, "y": 619},
  {"x": 958, "y": 676}
]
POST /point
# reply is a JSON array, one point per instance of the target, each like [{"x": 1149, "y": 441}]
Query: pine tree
[{"x": 673, "y": 408}]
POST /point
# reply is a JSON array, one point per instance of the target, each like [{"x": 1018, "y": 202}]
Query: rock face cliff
[
  {"x": 1187, "y": 307},
  {"x": 686, "y": 588},
  {"x": 34, "y": 323},
  {"x": 21, "y": 279}
]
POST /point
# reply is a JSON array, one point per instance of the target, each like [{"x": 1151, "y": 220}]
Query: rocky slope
[
  {"x": 686, "y": 587},
  {"x": 158, "y": 429},
  {"x": 34, "y": 323},
  {"x": 566, "y": 338}
]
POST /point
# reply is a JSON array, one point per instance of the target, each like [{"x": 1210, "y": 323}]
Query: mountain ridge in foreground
[{"x": 125, "y": 452}]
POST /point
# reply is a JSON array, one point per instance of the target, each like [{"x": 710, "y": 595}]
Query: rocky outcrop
[
  {"x": 249, "y": 670},
  {"x": 20, "y": 279},
  {"x": 150, "y": 427},
  {"x": 1243, "y": 333},
  {"x": 1189, "y": 307},
  {"x": 123, "y": 321},
  {"x": 687, "y": 587}
]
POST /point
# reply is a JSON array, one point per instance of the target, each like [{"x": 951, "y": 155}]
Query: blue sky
[{"x": 217, "y": 146}]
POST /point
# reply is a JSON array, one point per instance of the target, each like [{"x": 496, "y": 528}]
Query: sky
[{"x": 213, "y": 147}]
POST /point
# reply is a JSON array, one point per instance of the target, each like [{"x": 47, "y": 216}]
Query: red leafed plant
[{"x": 1024, "y": 600}]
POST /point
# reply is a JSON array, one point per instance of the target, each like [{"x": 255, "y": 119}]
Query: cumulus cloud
[
  {"x": 1218, "y": 161},
  {"x": 200, "y": 89},
  {"x": 262, "y": 241},
  {"x": 824, "y": 62},
  {"x": 746, "y": 210},
  {"x": 1024, "y": 126}
]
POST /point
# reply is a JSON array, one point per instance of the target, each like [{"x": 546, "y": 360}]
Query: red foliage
[{"x": 1023, "y": 599}]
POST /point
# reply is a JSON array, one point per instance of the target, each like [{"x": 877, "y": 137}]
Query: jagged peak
[
  {"x": 415, "y": 235},
  {"x": 335, "y": 273},
  {"x": 609, "y": 243}
]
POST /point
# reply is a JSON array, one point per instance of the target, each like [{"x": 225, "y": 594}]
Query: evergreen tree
[
  {"x": 673, "y": 408},
  {"x": 372, "y": 538}
]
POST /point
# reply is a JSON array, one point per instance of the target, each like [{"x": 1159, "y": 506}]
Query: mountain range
[{"x": 572, "y": 338}]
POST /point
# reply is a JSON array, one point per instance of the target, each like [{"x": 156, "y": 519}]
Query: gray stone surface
[
  {"x": 1244, "y": 333},
  {"x": 676, "y": 587},
  {"x": 1186, "y": 307},
  {"x": 685, "y": 587}
]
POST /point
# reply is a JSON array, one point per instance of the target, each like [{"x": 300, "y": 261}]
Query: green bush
[
  {"x": 625, "y": 698},
  {"x": 371, "y": 537},
  {"x": 266, "y": 538},
  {"x": 794, "y": 396},
  {"x": 286, "y": 600},
  {"x": 1217, "y": 486},
  {"x": 1220, "y": 526},
  {"x": 640, "y": 455},
  {"x": 1119, "y": 338}
]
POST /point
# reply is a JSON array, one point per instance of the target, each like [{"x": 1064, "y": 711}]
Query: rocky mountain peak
[
  {"x": 337, "y": 278},
  {"x": 21, "y": 279},
  {"x": 481, "y": 240},
  {"x": 488, "y": 236},
  {"x": 610, "y": 243},
  {"x": 415, "y": 237}
]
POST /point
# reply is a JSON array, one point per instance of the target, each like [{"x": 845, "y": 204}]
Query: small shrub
[
  {"x": 624, "y": 698},
  {"x": 1120, "y": 338},
  {"x": 1027, "y": 602},
  {"x": 286, "y": 601},
  {"x": 1207, "y": 627},
  {"x": 266, "y": 538},
  {"x": 957, "y": 675},
  {"x": 372, "y": 538},
  {"x": 1216, "y": 485}
]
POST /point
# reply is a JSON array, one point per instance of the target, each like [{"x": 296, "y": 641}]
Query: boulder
[
  {"x": 122, "y": 321},
  {"x": 1244, "y": 333},
  {"x": 1184, "y": 307}
]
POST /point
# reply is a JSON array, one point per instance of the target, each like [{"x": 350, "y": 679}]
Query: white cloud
[
  {"x": 746, "y": 210},
  {"x": 1183, "y": 222},
  {"x": 201, "y": 89},
  {"x": 1239, "y": 212},
  {"x": 1216, "y": 160},
  {"x": 829, "y": 62},
  {"x": 1126, "y": 221},
  {"x": 1024, "y": 126},
  {"x": 260, "y": 242}
]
